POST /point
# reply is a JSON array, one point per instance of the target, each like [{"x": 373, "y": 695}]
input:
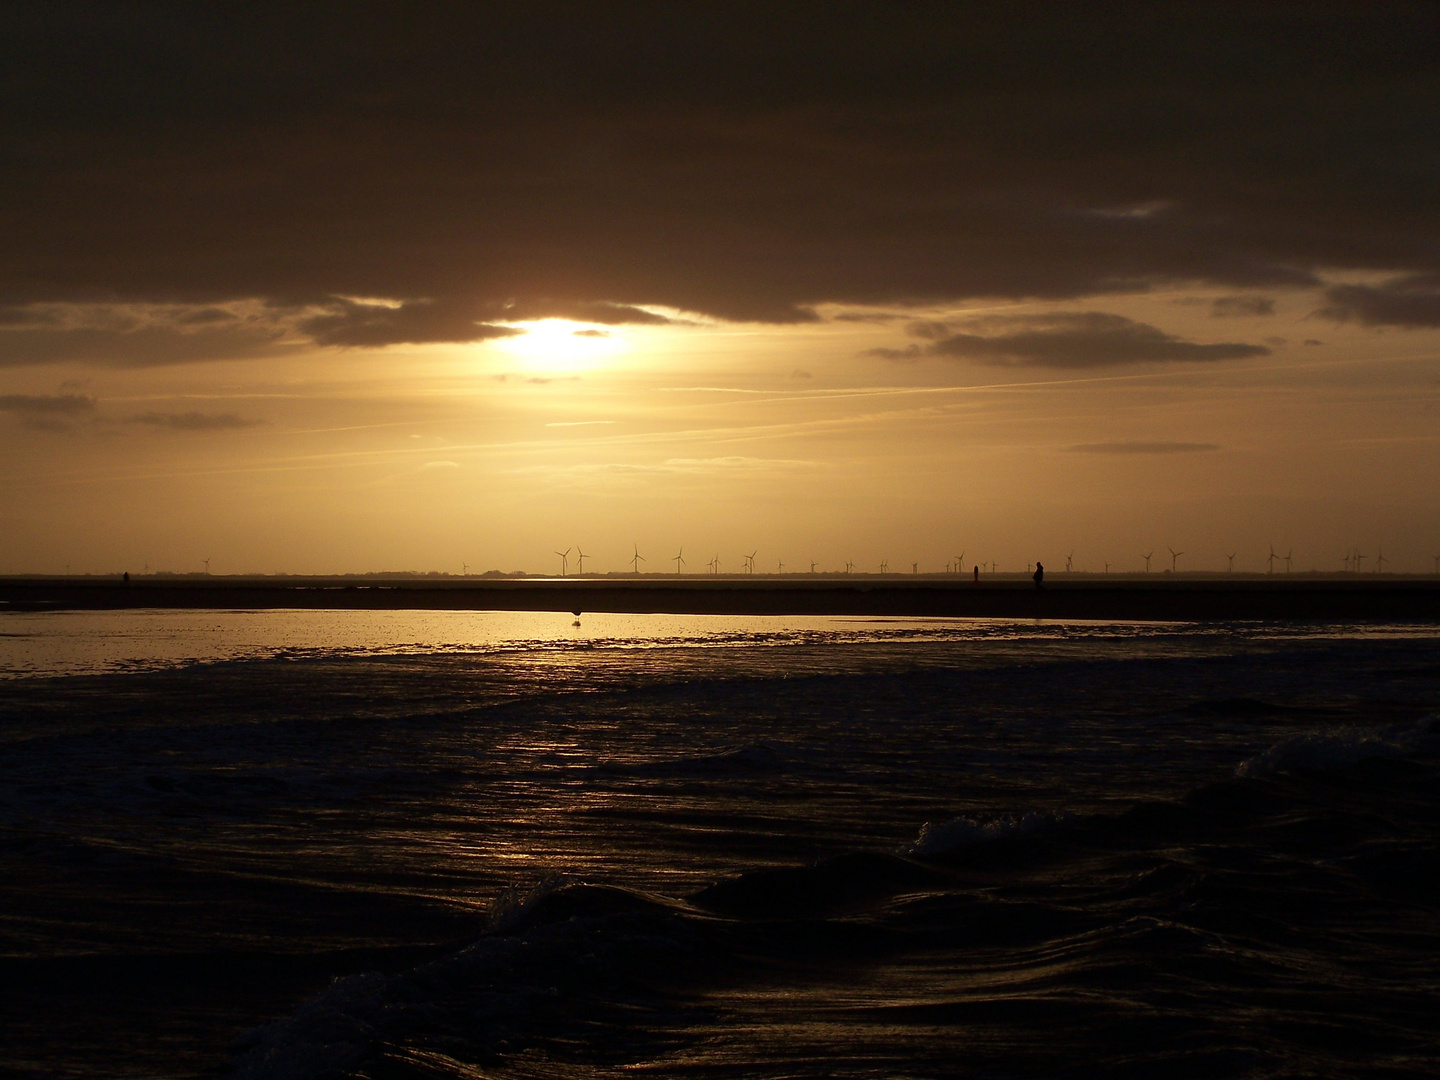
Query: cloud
[
  {"x": 145, "y": 345},
  {"x": 1223, "y": 307},
  {"x": 908, "y": 355},
  {"x": 603, "y": 312},
  {"x": 193, "y": 421},
  {"x": 1067, "y": 340},
  {"x": 746, "y": 167},
  {"x": 417, "y": 322},
  {"x": 53, "y": 405},
  {"x": 1412, "y": 302},
  {"x": 1161, "y": 447},
  {"x": 46, "y": 412},
  {"x": 591, "y": 333}
]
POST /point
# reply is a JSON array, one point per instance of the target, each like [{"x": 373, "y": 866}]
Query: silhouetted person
[
  {"x": 127, "y": 577},
  {"x": 977, "y": 575},
  {"x": 1039, "y": 575}
]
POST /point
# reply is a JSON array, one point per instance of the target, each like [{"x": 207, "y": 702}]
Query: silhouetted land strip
[{"x": 1312, "y": 598}]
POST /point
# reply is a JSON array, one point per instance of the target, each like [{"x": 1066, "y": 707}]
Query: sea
[{"x": 310, "y": 844}]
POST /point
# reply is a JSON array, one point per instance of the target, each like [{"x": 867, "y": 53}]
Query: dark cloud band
[
  {"x": 1064, "y": 340},
  {"x": 599, "y": 161}
]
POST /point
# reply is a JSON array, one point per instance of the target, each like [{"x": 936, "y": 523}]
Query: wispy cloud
[
  {"x": 193, "y": 421},
  {"x": 1157, "y": 447}
]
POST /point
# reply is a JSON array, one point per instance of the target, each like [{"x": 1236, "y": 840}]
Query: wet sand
[{"x": 1152, "y": 597}]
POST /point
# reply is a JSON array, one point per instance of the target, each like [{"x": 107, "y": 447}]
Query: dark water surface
[{"x": 720, "y": 848}]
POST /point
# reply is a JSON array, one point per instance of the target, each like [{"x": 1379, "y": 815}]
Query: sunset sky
[{"x": 334, "y": 291}]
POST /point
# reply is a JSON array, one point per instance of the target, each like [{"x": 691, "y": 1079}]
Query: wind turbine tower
[
  {"x": 1147, "y": 560},
  {"x": 580, "y": 558},
  {"x": 1174, "y": 558},
  {"x": 1288, "y": 555},
  {"x": 750, "y": 561},
  {"x": 1231, "y": 559},
  {"x": 1270, "y": 560},
  {"x": 637, "y": 559},
  {"x": 564, "y": 560},
  {"x": 1069, "y": 562},
  {"x": 205, "y": 561},
  {"x": 1380, "y": 561},
  {"x": 679, "y": 560}
]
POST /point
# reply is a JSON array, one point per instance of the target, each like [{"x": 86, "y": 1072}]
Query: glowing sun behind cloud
[{"x": 550, "y": 346}]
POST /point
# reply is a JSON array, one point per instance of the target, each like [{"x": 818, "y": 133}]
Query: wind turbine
[
  {"x": 960, "y": 563},
  {"x": 679, "y": 560},
  {"x": 1147, "y": 560},
  {"x": 1107, "y": 568},
  {"x": 580, "y": 557},
  {"x": 1359, "y": 560},
  {"x": 1288, "y": 554},
  {"x": 1231, "y": 558},
  {"x": 781, "y": 568},
  {"x": 205, "y": 561},
  {"x": 564, "y": 560},
  {"x": 1174, "y": 558},
  {"x": 637, "y": 559},
  {"x": 1380, "y": 561},
  {"x": 849, "y": 566},
  {"x": 715, "y": 564},
  {"x": 1069, "y": 562},
  {"x": 915, "y": 567},
  {"x": 750, "y": 561},
  {"x": 812, "y": 565},
  {"x": 464, "y": 569},
  {"x": 1270, "y": 560},
  {"x": 884, "y": 566}
]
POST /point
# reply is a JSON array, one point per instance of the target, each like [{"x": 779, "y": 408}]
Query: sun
[{"x": 560, "y": 345}]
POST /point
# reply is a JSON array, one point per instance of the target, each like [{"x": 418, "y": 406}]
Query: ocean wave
[
  {"x": 329, "y": 1035},
  {"x": 1329, "y": 751},
  {"x": 939, "y": 838}
]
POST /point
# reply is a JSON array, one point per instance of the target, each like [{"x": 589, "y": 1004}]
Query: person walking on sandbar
[{"x": 1039, "y": 575}]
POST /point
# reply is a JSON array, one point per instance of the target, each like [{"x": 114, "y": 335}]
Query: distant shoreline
[{"x": 1153, "y": 597}]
